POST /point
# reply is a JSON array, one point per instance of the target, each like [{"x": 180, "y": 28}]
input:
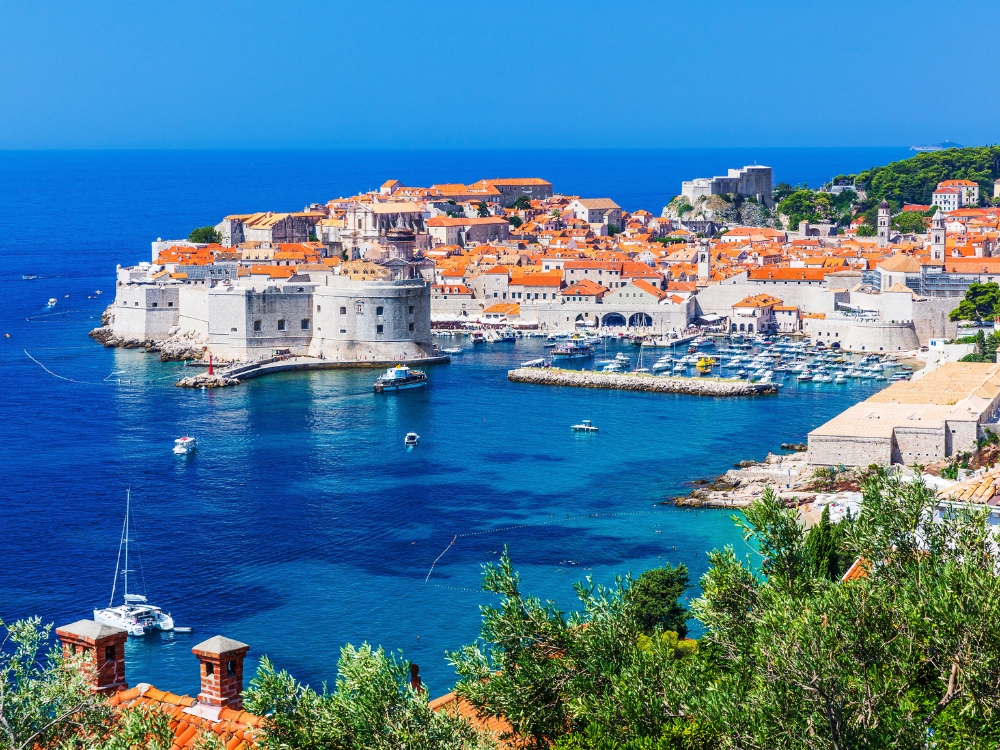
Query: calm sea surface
[{"x": 302, "y": 523}]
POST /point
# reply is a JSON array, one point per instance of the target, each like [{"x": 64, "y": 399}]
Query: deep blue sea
[{"x": 302, "y": 523}]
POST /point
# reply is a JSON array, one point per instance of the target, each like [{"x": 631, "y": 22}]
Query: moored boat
[
  {"x": 411, "y": 439},
  {"x": 399, "y": 378},
  {"x": 573, "y": 349},
  {"x": 185, "y": 445},
  {"x": 585, "y": 426}
]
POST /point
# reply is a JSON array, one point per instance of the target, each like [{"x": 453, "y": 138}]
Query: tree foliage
[
  {"x": 981, "y": 302},
  {"x": 523, "y": 203},
  {"x": 655, "y": 597},
  {"x": 909, "y": 222},
  {"x": 372, "y": 707},
  {"x": 866, "y": 230},
  {"x": 515, "y": 220},
  {"x": 482, "y": 209},
  {"x": 208, "y": 235},
  {"x": 913, "y": 180}
]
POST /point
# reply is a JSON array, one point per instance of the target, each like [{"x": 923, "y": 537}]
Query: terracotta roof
[
  {"x": 189, "y": 719},
  {"x": 451, "y": 703},
  {"x": 759, "y": 300},
  {"x": 505, "y": 308},
  {"x": 584, "y": 288},
  {"x": 787, "y": 274}
]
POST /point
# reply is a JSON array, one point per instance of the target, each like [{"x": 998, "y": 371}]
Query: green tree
[
  {"x": 523, "y": 203},
  {"x": 913, "y": 180},
  {"x": 482, "y": 210},
  {"x": 208, "y": 235},
  {"x": 515, "y": 220},
  {"x": 909, "y": 222},
  {"x": 826, "y": 548},
  {"x": 373, "y": 707},
  {"x": 982, "y": 302},
  {"x": 805, "y": 662},
  {"x": 866, "y": 230},
  {"x": 655, "y": 596}
]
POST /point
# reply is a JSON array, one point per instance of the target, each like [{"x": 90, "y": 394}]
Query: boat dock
[{"x": 627, "y": 381}]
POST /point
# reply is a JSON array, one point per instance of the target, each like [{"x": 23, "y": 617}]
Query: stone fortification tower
[
  {"x": 937, "y": 238},
  {"x": 883, "y": 224}
]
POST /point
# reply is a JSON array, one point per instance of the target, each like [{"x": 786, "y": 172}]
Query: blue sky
[{"x": 508, "y": 74}]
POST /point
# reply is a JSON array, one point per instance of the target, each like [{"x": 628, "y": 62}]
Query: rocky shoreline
[
  {"x": 177, "y": 347},
  {"x": 204, "y": 380},
  {"x": 638, "y": 382}
]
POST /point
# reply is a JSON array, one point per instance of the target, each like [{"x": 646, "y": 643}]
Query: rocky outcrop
[
  {"x": 738, "y": 488},
  {"x": 204, "y": 380},
  {"x": 177, "y": 347},
  {"x": 639, "y": 382}
]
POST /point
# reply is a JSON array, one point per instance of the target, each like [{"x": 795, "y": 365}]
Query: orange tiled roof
[{"x": 189, "y": 719}]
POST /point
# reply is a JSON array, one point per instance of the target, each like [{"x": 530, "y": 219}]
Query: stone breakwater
[
  {"x": 638, "y": 382},
  {"x": 204, "y": 380}
]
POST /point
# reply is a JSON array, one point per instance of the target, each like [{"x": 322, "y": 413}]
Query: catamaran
[{"x": 135, "y": 614}]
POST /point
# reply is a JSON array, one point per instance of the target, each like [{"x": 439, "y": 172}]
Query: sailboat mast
[
  {"x": 128, "y": 512},
  {"x": 118, "y": 562}
]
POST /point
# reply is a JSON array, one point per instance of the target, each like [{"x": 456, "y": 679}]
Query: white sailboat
[{"x": 135, "y": 614}]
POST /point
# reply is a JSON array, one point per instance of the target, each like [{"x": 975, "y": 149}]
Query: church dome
[{"x": 883, "y": 204}]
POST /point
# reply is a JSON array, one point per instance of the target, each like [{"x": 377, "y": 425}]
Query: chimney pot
[
  {"x": 106, "y": 644},
  {"x": 221, "y": 670}
]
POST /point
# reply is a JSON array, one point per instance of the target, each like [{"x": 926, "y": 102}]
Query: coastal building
[
  {"x": 603, "y": 211},
  {"x": 754, "y": 314},
  {"x": 921, "y": 421},
  {"x": 750, "y": 181},
  {"x": 462, "y": 231}
]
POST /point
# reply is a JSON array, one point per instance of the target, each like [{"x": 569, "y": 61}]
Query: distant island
[{"x": 937, "y": 146}]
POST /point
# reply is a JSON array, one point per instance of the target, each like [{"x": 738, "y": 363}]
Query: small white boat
[
  {"x": 805, "y": 377},
  {"x": 411, "y": 439},
  {"x": 612, "y": 367},
  {"x": 452, "y": 350},
  {"x": 183, "y": 630},
  {"x": 52, "y": 302},
  {"x": 585, "y": 426},
  {"x": 534, "y": 362},
  {"x": 622, "y": 358},
  {"x": 185, "y": 445}
]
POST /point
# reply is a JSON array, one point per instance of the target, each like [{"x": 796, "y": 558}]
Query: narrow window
[
  {"x": 318, "y": 308},
  {"x": 343, "y": 311},
  {"x": 411, "y": 309},
  {"x": 209, "y": 668},
  {"x": 170, "y": 304},
  {"x": 109, "y": 651},
  {"x": 154, "y": 304},
  {"x": 256, "y": 326},
  {"x": 378, "y": 329},
  {"x": 378, "y": 310},
  {"x": 231, "y": 667},
  {"x": 305, "y": 324},
  {"x": 411, "y": 326},
  {"x": 281, "y": 325}
]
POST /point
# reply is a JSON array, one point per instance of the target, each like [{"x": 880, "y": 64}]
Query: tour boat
[
  {"x": 184, "y": 445},
  {"x": 585, "y": 426},
  {"x": 572, "y": 350},
  {"x": 411, "y": 439},
  {"x": 135, "y": 614},
  {"x": 399, "y": 378}
]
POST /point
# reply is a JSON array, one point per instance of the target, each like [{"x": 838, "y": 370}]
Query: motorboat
[
  {"x": 185, "y": 445},
  {"x": 805, "y": 377},
  {"x": 585, "y": 426},
  {"x": 612, "y": 367},
  {"x": 478, "y": 337},
  {"x": 29, "y": 276},
  {"x": 135, "y": 614},
  {"x": 622, "y": 358},
  {"x": 451, "y": 350},
  {"x": 52, "y": 302},
  {"x": 534, "y": 362},
  {"x": 508, "y": 334},
  {"x": 411, "y": 439},
  {"x": 399, "y": 378}
]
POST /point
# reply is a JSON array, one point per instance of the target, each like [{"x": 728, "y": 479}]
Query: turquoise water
[{"x": 302, "y": 522}]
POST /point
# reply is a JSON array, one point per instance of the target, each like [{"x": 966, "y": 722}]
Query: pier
[
  {"x": 238, "y": 373},
  {"x": 639, "y": 382}
]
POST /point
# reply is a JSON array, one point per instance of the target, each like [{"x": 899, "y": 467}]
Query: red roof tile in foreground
[
  {"x": 190, "y": 720},
  {"x": 456, "y": 706}
]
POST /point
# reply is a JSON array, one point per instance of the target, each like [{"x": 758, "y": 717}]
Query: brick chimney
[
  {"x": 107, "y": 646},
  {"x": 221, "y": 661}
]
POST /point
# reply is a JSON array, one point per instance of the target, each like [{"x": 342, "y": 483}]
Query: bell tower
[
  {"x": 704, "y": 262},
  {"x": 937, "y": 238},
  {"x": 883, "y": 224}
]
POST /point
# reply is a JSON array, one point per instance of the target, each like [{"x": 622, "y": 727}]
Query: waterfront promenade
[{"x": 627, "y": 381}]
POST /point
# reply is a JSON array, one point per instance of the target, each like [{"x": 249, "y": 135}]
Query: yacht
[
  {"x": 399, "y": 378},
  {"x": 622, "y": 359},
  {"x": 135, "y": 614},
  {"x": 805, "y": 377},
  {"x": 585, "y": 426},
  {"x": 612, "y": 367},
  {"x": 411, "y": 439},
  {"x": 185, "y": 445}
]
